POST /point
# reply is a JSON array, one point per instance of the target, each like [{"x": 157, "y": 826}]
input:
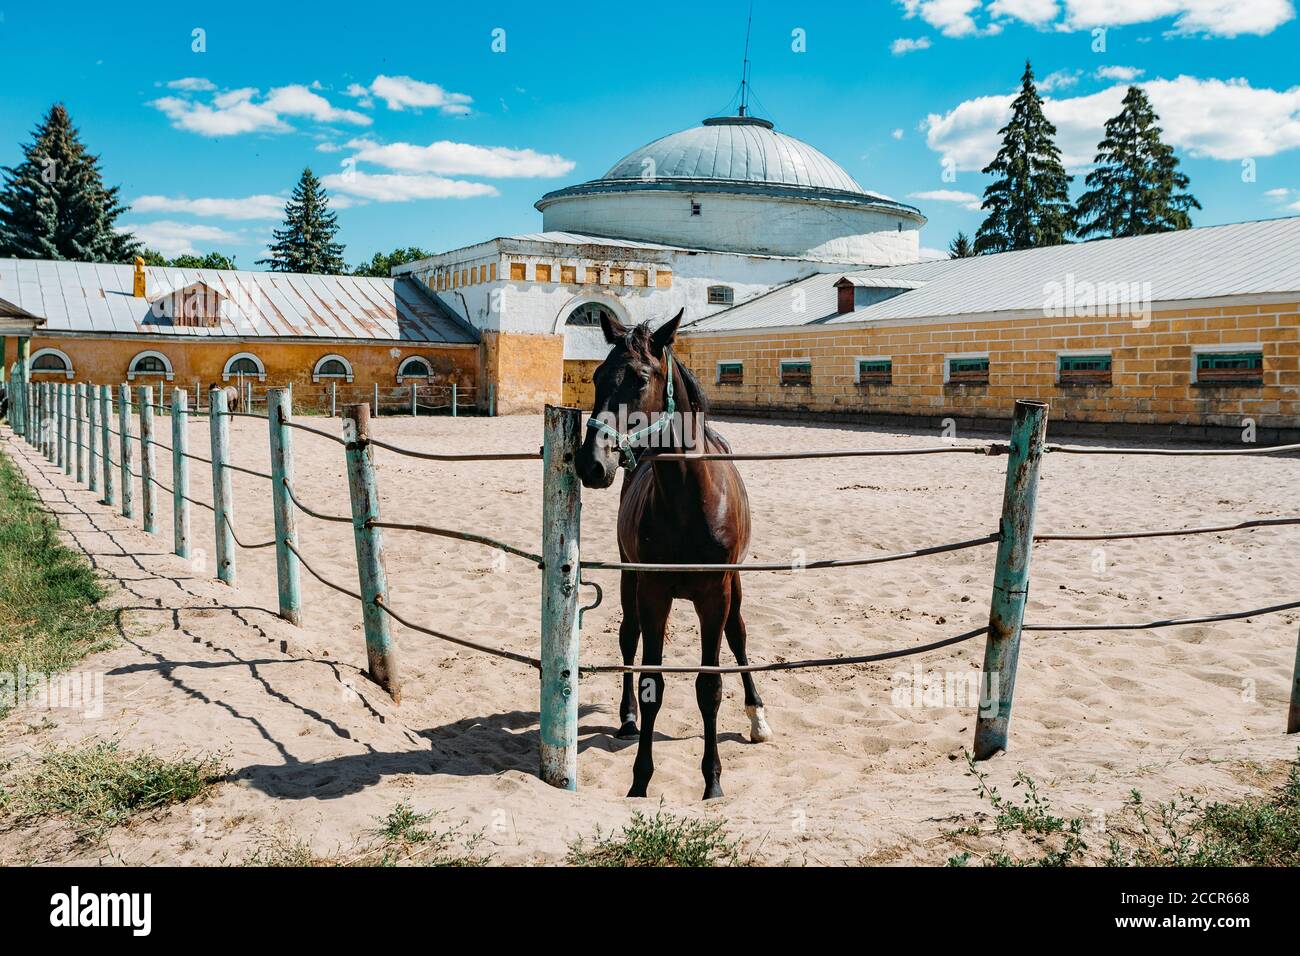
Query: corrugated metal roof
[
  {"x": 1205, "y": 263},
  {"x": 96, "y": 298},
  {"x": 583, "y": 239},
  {"x": 9, "y": 310}
]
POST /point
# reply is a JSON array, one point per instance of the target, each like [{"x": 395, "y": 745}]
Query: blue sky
[{"x": 429, "y": 136}]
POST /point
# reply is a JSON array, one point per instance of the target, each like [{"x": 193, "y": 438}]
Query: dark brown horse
[{"x": 670, "y": 512}]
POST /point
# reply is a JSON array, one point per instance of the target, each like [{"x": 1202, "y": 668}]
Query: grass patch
[
  {"x": 1262, "y": 830},
  {"x": 49, "y": 596},
  {"x": 660, "y": 840},
  {"x": 98, "y": 786},
  {"x": 404, "y": 837}
]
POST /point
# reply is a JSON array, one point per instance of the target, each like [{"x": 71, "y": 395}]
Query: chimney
[
  {"x": 137, "y": 287},
  {"x": 844, "y": 288}
]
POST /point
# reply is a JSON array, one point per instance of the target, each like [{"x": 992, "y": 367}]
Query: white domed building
[{"x": 703, "y": 219}]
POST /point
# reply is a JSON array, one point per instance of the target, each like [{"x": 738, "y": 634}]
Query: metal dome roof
[{"x": 736, "y": 149}]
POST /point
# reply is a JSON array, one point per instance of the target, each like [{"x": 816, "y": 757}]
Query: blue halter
[{"x": 625, "y": 440}]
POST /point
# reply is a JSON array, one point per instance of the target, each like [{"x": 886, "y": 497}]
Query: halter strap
[{"x": 625, "y": 440}]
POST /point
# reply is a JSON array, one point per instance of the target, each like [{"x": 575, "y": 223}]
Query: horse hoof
[
  {"x": 638, "y": 790},
  {"x": 759, "y": 731},
  {"x": 712, "y": 791},
  {"x": 628, "y": 731}
]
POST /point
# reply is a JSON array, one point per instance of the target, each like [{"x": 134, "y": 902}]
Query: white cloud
[
  {"x": 1125, "y": 74},
  {"x": 897, "y": 134},
  {"x": 1277, "y": 193},
  {"x": 1059, "y": 80},
  {"x": 927, "y": 253},
  {"x": 182, "y": 238},
  {"x": 904, "y": 45},
  {"x": 234, "y": 112},
  {"x": 1035, "y": 12},
  {"x": 192, "y": 84},
  {"x": 462, "y": 159},
  {"x": 402, "y": 92},
  {"x": 248, "y": 207},
  {"x": 396, "y": 187},
  {"x": 952, "y": 18},
  {"x": 1206, "y": 117},
  {"x": 965, "y": 200}
]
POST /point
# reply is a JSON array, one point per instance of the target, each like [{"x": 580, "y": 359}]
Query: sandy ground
[{"x": 856, "y": 773}]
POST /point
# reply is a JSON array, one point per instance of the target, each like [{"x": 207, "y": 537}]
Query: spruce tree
[
  {"x": 1028, "y": 204},
  {"x": 960, "y": 247},
  {"x": 306, "y": 243},
  {"x": 54, "y": 205},
  {"x": 1136, "y": 187}
]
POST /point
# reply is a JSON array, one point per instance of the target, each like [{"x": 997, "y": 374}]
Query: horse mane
[{"x": 690, "y": 392}]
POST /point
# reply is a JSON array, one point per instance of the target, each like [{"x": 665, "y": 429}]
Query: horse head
[{"x": 634, "y": 398}]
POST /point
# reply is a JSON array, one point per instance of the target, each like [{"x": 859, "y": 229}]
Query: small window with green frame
[
  {"x": 1084, "y": 369},
  {"x": 796, "y": 372},
  {"x": 1230, "y": 368},
  {"x": 973, "y": 370},
  {"x": 731, "y": 373},
  {"x": 875, "y": 371}
]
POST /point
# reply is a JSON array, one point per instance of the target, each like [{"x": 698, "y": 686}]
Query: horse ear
[
  {"x": 666, "y": 334},
  {"x": 615, "y": 331}
]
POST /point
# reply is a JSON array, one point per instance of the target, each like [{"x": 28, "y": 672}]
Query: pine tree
[
  {"x": 54, "y": 205},
  {"x": 960, "y": 247},
  {"x": 1029, "y": 203},
  {"x": 306, "y": 243},
  {"x": 1136, "y": 187}
]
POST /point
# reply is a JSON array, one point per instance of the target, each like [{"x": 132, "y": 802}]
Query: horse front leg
[
  {"x": 712, "y": 611},
  {"x": 629, "y": 634},
  {"x": 737, "y": 637},
  {"x": 653, "y": 604}
]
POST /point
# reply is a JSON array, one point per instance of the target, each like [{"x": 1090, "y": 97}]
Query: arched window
[
  {"x": 721, "y": 295},
  {"x": 588, "y": 314},
  {"x": 52, "y": 360},
  {"x": 414, "y": 367},
  {"x": 332, "y": 366},
  {"x": 244, "y": 365},
  {"x": 149, "y": 363}
]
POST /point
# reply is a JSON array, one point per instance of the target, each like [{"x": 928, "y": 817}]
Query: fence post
[
  {"x": 414, "y": 403},
  {"x": 1293, "y": 712},
  {"x": 222, "y": 501},
  {"x": 375, "y": 411},
  {"x": 81, "y": 432},
  {"x": 380, "y": 650},
  {"x": 105, "y": 443},
  {"x": 60, "y": 393},
  {"x": 561, "y": 506},
  {"x": 1011, "y": 576},
  {"x": 69, "y": 430},
  {"x": 51, "y": 416},
  {"x": 453, "y": 399},
  {"x": 334, "y": 399},
  {"x": 92, "y": 438},
  {"x": 492, "y": 400},
  {"x": 124, "y": 449},
  {"x": 148, "y": 461},
  {"x": 279, "y": 410},
  {"x": 180, "y": 473}
]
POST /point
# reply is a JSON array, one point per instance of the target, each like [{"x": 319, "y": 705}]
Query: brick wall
[
  {"x": 1151, "y": 367},
  {"x": 526, "y": 370}
]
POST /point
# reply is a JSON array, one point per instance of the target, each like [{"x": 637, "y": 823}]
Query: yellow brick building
[{"x": 1194, "y": 333}]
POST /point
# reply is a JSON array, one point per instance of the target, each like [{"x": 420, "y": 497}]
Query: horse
[
  {"x": 670, "y": 512},
  {"x": 233, "y": 402}
]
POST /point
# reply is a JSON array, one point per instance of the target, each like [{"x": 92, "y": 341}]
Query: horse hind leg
[
  {"x": 629, "y": 634},
  {"x": 759, "y": 730}
]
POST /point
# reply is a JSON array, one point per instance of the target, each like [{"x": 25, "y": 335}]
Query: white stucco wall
[{"x": 833, "y": 231}]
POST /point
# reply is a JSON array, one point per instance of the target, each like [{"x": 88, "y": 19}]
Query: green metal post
[
  {"x": 453, "y": 399},
  {"x": 92, "y": 438},
  {"x": 414, "y": 402},
  {"x": 52, "y": 418},
  {"x": 80, "y": 414},
  {"x": 492, "y": 399},
  {"x": 148, "y": 461},
  {"x": 105, "y": 441},
  {"x": 222, "y": 499},
  {"x": 180, "y": 472},
  {"x": 381, "y": 652},
  {"x": 69, "y": 431},
  {"x": 124, "y": 449},
  {"x": 1011, "y": 576},
  {"x": 48, "y": 420},
  {"x": 561, "y": 509},
  {"x": 279, "y": 411},
  {"x": 334, "y": 399},
  {"x": 376, "y": 408},
  {"x": 61, "y": 423},
  {"x": 1293, "y": 712}
]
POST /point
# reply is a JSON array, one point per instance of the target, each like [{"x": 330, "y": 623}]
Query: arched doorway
[{"x": 584, "y": 344}]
